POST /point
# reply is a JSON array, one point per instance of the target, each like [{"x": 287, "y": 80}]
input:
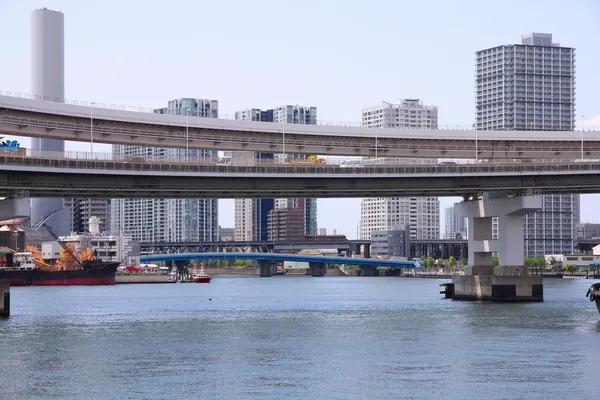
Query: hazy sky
[{"x": 339, "y": 56}]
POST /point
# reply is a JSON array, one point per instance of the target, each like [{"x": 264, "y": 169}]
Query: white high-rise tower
[
  {"x": 421, "y": 214},
  {"x": 48, "y": 83}
]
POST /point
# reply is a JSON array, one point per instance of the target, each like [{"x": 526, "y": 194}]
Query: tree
[
  {"x": 465, "y": 262},
  {"x": 439, "y": 262},
  {"x": 569, "y": 268},
  {"x": 495, "y": 261},
  {"x": 429, "y": 262},
  {"x": 452, "y": 262}
]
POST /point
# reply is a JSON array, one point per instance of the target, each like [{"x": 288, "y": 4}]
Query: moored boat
[
  {"x": 594, "y": 294},
  {"x": 201, "y": 276}
]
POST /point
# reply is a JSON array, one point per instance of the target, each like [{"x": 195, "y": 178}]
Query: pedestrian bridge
[{"x": 317, "y": 264}]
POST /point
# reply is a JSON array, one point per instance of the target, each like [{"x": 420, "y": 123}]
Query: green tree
[
  {"x": 464, "y": 262},
  {"x": 439, "y": 262},
  {"x": 429, "y": 262},
  {"x": 452, "y": 261},
  {"x": 569, "y": 268},
  {"x": 495, "y": 261}
]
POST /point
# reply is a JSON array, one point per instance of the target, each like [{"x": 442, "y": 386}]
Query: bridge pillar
[
  {"x": 367, "y": 251},
  {"x": 509, "y": 281},
  {"x": 317, "y": 268},
  {"x": 4, "y": 298},
  {"x": 266, "y": 268},
  {"x": 367, "y": 270}
]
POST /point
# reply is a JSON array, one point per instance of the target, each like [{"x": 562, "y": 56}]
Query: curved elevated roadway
[
  {"x": 38, "y": 177},
  {"x": 56, "y": 120}
]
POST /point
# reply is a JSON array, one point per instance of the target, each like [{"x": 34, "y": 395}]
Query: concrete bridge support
[
  {"x": 14, "y": 208},
  {"x": 317, "y": 268},
  {"x": 509, "y": 281},
  {"x": 4, "y": 298},
  {"x": 267, "y": 268},
  {"x": 367, "y": 270}
]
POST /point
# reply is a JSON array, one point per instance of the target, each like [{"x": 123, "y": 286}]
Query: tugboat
[
  {"x": 202, "y": 276},
  {"x": 594, "y": 294}
]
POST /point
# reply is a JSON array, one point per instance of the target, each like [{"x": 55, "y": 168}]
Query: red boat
[{"x": 202, "y": 276}]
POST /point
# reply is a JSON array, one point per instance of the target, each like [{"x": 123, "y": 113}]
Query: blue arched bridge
[{"x": 317, "y": 264}]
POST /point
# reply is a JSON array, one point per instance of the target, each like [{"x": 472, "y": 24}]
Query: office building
[
  {"x": 587, "y": 231},
  {"x": 455, "y": 225},
  {"x": 421, "y": 214},
  {"x": 531, "y": 86},
  {"x": 286, "y": 224},
  {"x": 391, "y": 243},
  {"x": 252, "y": 215},
  {"x": 169, "y": 220}
]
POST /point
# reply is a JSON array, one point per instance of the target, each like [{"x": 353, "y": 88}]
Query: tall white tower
[{"x": 48, "y": 83}]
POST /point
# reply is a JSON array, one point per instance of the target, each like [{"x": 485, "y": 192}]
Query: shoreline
[{"x": 155, "y": 278}]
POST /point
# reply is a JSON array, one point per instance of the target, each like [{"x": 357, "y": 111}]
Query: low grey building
[{"x": 391, "y": 243}]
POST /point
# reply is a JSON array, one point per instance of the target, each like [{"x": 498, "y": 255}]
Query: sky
[{"x": 338, "y": 55}]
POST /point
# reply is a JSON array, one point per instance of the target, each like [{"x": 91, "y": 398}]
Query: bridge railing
[
  {"x": 417, "y": 150},
  {"x": 70, "y": 161},
  {"x": 108, "y": 106},
  {"x": 200, "y": 157}
]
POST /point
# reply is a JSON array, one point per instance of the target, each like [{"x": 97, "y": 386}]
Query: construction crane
[{"x": 62, "y": 244}]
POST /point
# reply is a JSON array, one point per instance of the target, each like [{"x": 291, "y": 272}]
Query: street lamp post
[
  {"x": 476, "y": 144},
  {"x": 582, "y": 137},
  {"x": 92, "y": 104},
  {"x": 283, "y": 132},
  {"x": 16, "y": 234},
  {"x": 376, "y": 134},
  {"x": 187, "y": 134}
]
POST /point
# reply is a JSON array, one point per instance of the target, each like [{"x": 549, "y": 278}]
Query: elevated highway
[
  {"x": 58, "y": 120},
  {"x": 42, "y": 177}
]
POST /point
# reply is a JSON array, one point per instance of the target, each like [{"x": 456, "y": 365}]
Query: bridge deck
[{"x": 281, "y": 257}]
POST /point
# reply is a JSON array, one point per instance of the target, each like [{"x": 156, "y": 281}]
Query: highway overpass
[
  {"x": 116, "y": 125},
  {"x": 37, "y": 177}
]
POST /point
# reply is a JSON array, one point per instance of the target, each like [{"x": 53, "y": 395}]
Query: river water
[{"x": 297, "y": 338}]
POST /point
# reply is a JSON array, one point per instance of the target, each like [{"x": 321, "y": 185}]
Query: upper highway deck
[{"x": 56, "y": 120}]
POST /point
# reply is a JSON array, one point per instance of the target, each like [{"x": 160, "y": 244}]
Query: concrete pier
[
  {"x": 509, "y": 281},
  {"x": 266, "y": 267},
  {"x": 317, "y": 269},
  {"x": 4, "y": 298},
  {"x": 367, "y": 270}
]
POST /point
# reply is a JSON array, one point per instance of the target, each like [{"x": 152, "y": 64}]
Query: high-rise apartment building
[
  {"x": 81, "y": 210},
  {"x": 531, "y": 86},
  {"x": 421, "y": 214},
  {"x": 169, "y": 220},
  {"x": 252, "y": 215},
  {"x": 455, "y": 225}
]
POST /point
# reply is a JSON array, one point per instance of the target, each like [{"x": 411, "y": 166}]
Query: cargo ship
[{"x": 22, "y": 269}]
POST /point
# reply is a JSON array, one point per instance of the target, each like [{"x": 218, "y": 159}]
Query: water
[{"x": 297, "y": 338}]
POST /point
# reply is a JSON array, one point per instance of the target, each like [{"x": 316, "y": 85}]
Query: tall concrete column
[
  {"x": 509, "y": 280},
  {"x": 4, "y": 298},
  {"x": 317, "y": 269},
  {"x": 48, "y": 83},
  {"x": 266, "y": 269},
  {"x": 14, "y": 208}
]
